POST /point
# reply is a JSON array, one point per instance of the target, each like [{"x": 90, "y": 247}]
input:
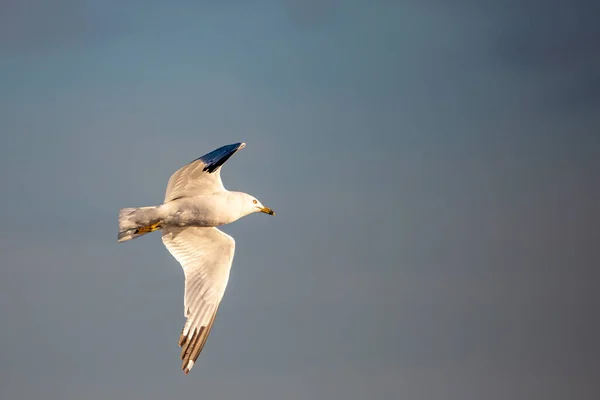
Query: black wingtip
[{"x": 218, "y": 157}]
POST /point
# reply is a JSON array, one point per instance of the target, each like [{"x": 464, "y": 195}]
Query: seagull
[{"x": 196, "y": 202}]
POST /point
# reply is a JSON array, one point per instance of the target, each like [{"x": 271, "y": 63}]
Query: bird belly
[{"x": 203, "y": 211}]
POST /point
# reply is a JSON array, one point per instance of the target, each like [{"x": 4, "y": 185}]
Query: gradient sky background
[{"x": 434, "y": 167}]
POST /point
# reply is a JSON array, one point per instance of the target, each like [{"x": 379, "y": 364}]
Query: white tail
[{"x": 135, "y": 222}]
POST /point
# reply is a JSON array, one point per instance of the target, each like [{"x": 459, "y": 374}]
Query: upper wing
[
  {"x": 205, "y": 254},
  {"x": 201, "y": 176}
]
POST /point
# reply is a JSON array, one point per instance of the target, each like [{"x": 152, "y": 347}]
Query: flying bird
[{"x": 195, "y": 203}]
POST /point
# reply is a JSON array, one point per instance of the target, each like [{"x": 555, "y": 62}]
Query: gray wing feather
[{"x": 201, "y": 176}]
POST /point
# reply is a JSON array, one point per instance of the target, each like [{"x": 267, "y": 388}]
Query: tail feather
[{"x": 136, "y": 222}]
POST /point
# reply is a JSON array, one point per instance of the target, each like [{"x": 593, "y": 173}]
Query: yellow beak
[{"x": 267, "y": 210}]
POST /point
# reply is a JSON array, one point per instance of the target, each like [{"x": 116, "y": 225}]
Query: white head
[{"x": 251, "y": 205}]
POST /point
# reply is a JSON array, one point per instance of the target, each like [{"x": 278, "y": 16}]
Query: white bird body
[
  {"x": 196, "y": 202},
  {"x": 215, "y": 209},
  {"x": 203, "y": 210}
]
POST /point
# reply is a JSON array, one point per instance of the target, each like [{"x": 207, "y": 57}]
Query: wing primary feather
[
  {"x": 218, "y": 157},
  {"x": 194, "y": 347},
  {"x": 186, "y": 346},
  {"x": 182, "y": 338},
  {"x": 186, "y": 356},
  {"x": 203, "y": 337}
]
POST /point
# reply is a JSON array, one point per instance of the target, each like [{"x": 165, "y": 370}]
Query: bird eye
[{"x": 254, "y": 201}]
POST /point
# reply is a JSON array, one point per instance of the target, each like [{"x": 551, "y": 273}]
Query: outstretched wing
[
  {"x": 201, "y": 176},
  {"x": 206, "y": 255}
]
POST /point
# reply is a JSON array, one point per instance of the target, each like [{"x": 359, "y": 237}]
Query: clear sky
[{"x": 434, "y": 167}]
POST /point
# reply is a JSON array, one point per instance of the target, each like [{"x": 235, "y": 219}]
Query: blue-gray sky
[{"x": 434, "y": 168}]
